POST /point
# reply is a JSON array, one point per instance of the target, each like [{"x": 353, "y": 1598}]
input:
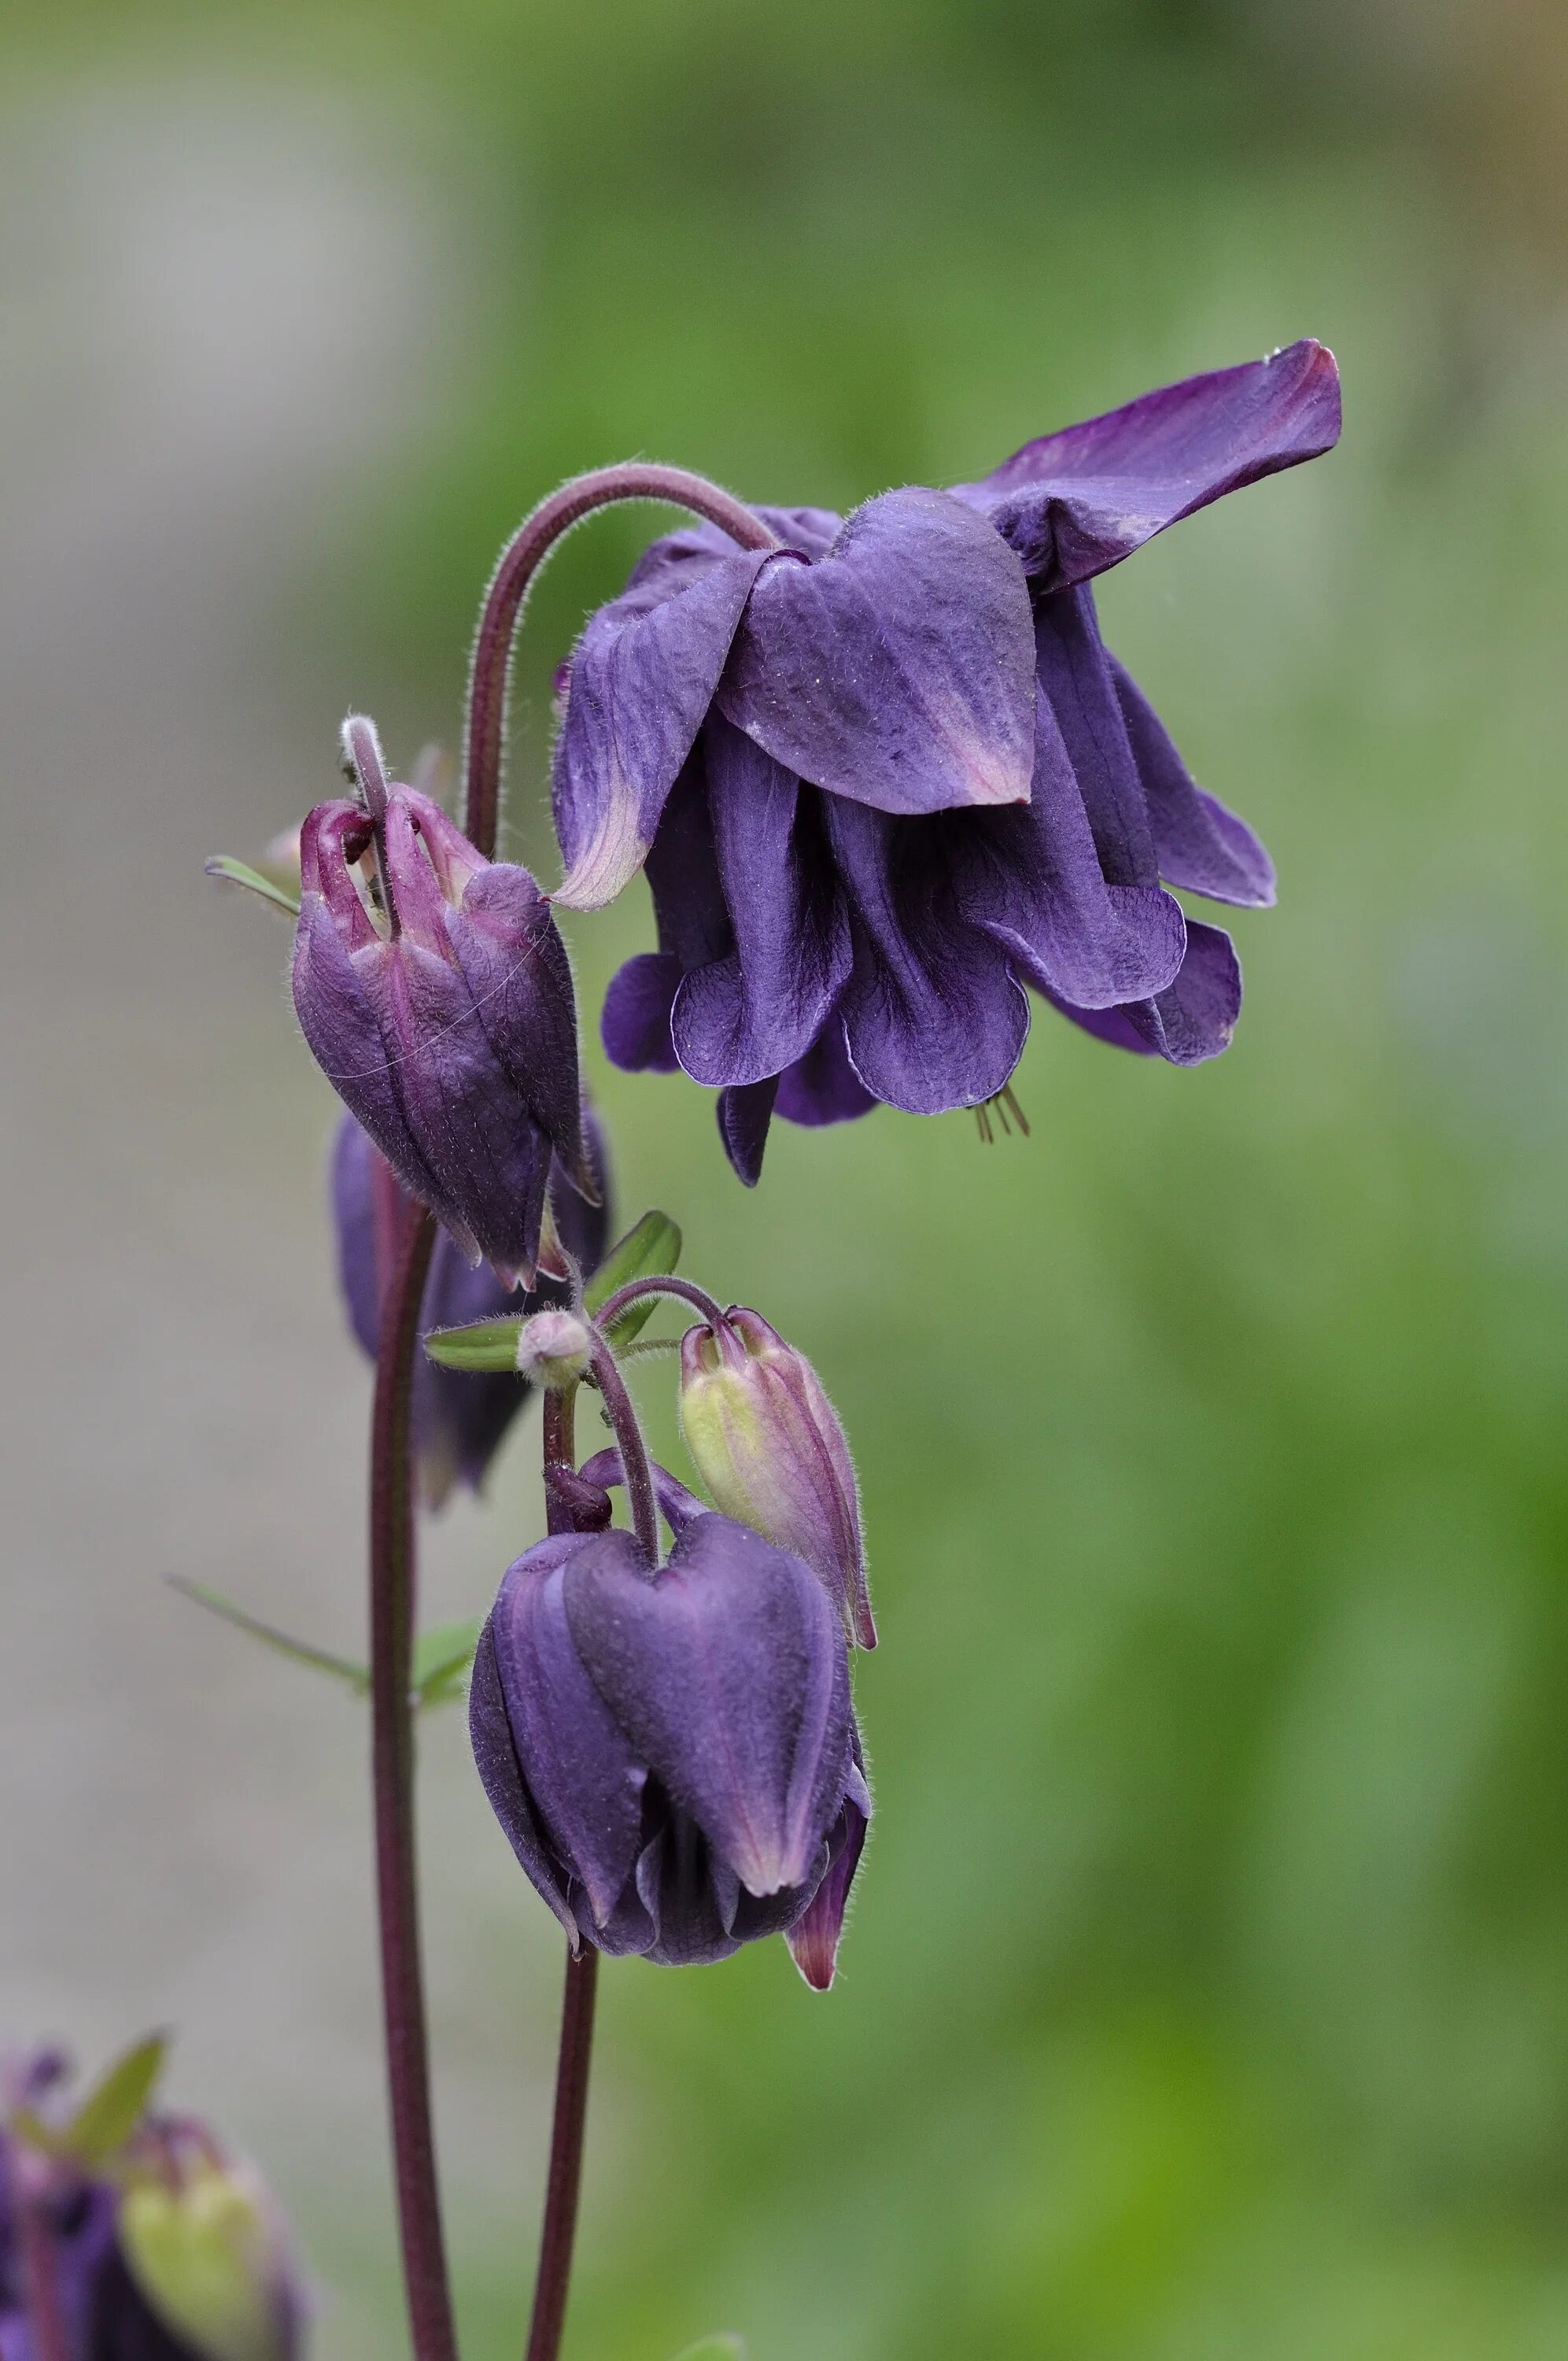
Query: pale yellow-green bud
[{"x": 207, "y": 2248}]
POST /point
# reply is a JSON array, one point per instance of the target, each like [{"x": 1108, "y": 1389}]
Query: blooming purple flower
[
  {"x": 460, "y": 1418},
  {"x": 670, "y": 1750},
  {"x": 887, "y": 775},
  {"x": 446, "y": 1020}
]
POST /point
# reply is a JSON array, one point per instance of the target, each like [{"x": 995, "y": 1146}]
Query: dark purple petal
[
  {"x": 727, "y": 1670},
  {"x": 746, "y": 1016},
  {"x": 515, "y": 964},
  {"x": 823, "y": 1087},
  {"x": 896, "y": 670},
  {"x": 634, "y": 1023},
  {"x": 1192, "y": 1020},
  {"x": 1198, "y": 843},
  {"x": 744, "y": 1115},
  {"x": 583, "y": 1778},
  {"x": 641, "y": 679},
  {"x": 689, "y": 907},
  {"x": 337, "y": 1000},
  {"x": 814, "y": 1936},
  {"x": 1073, "y": 503},
  {"x": 686, "y": 1902},
  {"x": 932, "y": 1014},
  {"x": 501, "y": 1775},
  {"x": 1032, "y": 878},
  {"x": 1075, "y": 680}
]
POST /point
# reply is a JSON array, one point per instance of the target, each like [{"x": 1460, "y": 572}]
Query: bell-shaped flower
[
  {"x": 459, "y": 1418},
  {"x": 438, "y": 1001},
  {"x": 671, "y": 1749},
  {"x": 886, "y": 776},
  {"x": 770, "y": 1448}
]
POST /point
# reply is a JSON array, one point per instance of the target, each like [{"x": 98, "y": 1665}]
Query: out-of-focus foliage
[{"x": 1205, "y": 1995}]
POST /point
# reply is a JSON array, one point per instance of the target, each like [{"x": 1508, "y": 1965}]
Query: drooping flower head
[
  {"x": 887, "y": 775},
  {"x": 458, "y": 1419},
  {"x": 670, "y": 1750},
  {"x": 438, "y": 1001}
]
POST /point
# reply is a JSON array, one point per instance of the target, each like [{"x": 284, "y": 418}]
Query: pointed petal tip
[{"x": 814, "y": 1954}]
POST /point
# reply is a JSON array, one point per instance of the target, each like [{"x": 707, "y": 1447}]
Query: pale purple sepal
[{"x": 1073, "y": 503}]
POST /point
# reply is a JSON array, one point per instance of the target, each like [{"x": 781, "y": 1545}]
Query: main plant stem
[{"x": 392, "y": 1772}]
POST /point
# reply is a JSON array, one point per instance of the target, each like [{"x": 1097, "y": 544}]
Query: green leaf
[
  {"x": 442, "y": 1657},
  {"x": 650, "y": 1250},
  {"x": 113, "y": 2108},
  {"x": 240, "y": 873},
  {"x": 341, "y": 1668},
  {"x": 484, "y": 1345},
  {"x": 715, "y": 2348}
]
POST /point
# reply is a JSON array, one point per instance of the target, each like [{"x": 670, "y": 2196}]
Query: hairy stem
[
  {"x": 392, "y": 1769},
  {"x": 560, "y": 1441},
  {"x": 686, "y": 1289},
  {"x": 633, "y": 1450},
  {"x": 41, "y": 2273},
  {"x": 490, "y": 680}
]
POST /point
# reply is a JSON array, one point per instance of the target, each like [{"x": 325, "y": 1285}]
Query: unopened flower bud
[
  {"x": 553, "y": 1348},
  {"x": 767, "y": 1443},
  {"x": 437, "y": 999},
  {"x": 205, "y": 2242}
]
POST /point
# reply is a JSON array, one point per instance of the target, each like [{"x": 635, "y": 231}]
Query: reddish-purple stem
[
  {"x": 41, "y": 2273},
  {"x": 392, "y": 1772},
  {"x": 686, "y": 1289},
  {"x": 490, "y": 679}
]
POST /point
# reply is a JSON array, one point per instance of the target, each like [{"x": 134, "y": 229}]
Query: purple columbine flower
[
  {"x": 460, "y": 1419},
  {"x": 670, "y": 1750},
  {"x": 888, "y": 775},
  {"x": 441, "y": 1010}
]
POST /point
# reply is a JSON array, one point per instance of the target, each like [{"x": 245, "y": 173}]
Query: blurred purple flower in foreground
[
  {"x": 440, "y": 1007},
  {"x": 166, "y": 2249},
  {"x": 671, "y": 1750},
  {"x": 886, "y": 776},
  {"x": 459, "y": 1418}
]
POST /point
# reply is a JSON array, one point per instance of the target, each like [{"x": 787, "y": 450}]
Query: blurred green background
[{"x": 1205, "y": 1999}]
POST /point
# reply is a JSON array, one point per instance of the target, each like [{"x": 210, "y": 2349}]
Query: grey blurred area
[{"x": 219, "y": 312}]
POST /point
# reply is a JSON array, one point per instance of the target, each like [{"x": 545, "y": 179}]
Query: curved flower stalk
[{"x": 886, "y": 776}]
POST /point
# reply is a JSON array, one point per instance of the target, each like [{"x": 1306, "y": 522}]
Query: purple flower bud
[
  {"x": 459, "y": 1421},
  {"x": 767, "y": 1443},
  {"x": 671, "y": 1750},
  {"x": 445, "y": 1020}
]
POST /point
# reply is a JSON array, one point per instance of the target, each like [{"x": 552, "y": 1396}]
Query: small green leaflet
[
  {"x": 650, "y": 1250},
  {"x": 441, "y": 1658},
  {"x": 483, "y": 1344},
  {"x": 341, "y": 1668},
  {"x": 108, "y": 2115},
  {"x": 240, "y": 873}
]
